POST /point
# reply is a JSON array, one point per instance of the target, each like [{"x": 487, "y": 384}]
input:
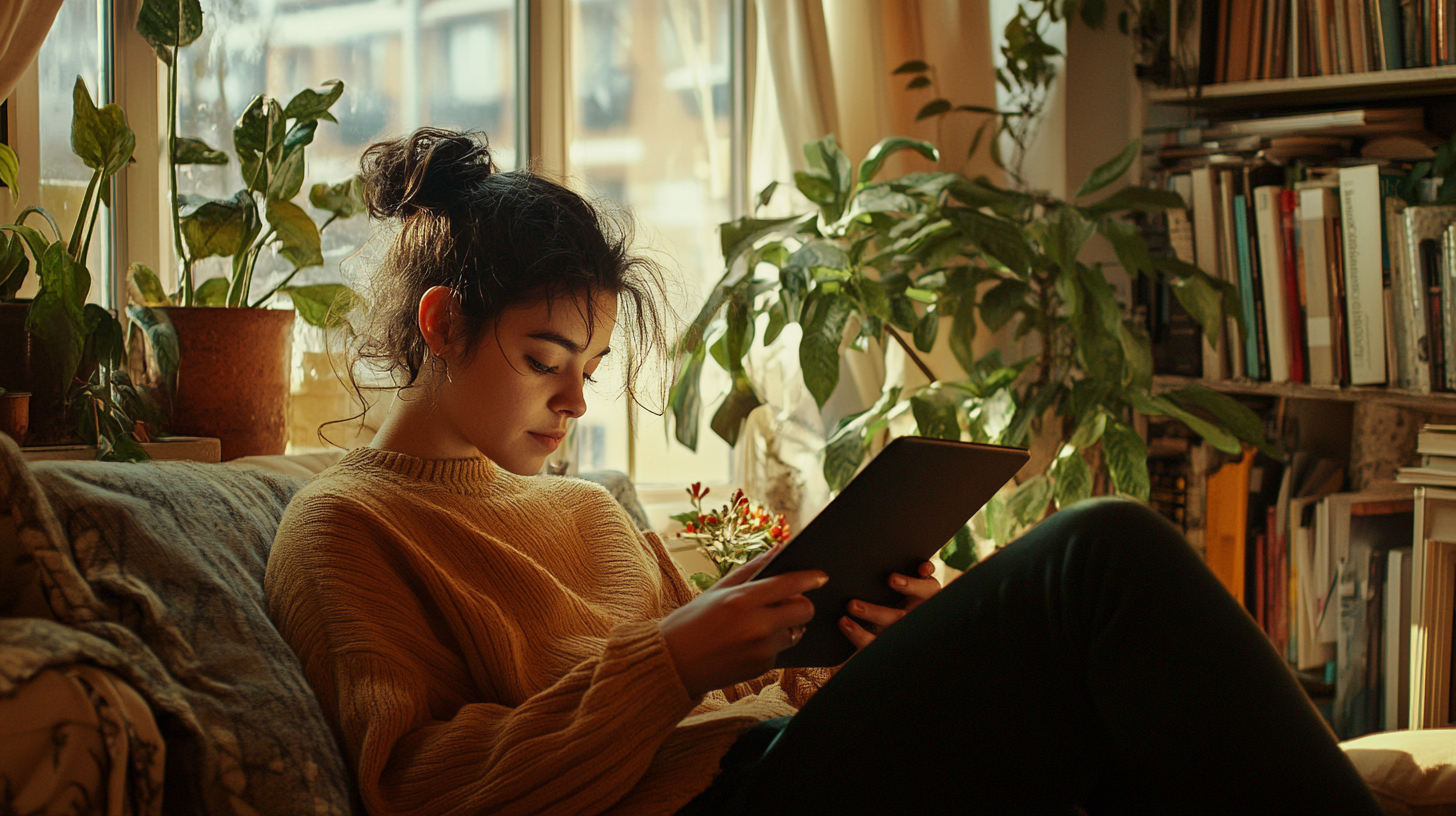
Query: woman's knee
[{"x": 1116, "y": 527}]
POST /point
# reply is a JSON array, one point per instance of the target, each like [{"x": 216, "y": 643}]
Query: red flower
[{"x": 689, "y": 528}]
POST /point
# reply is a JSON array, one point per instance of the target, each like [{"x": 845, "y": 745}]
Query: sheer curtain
[
  {"x": 820, "y": 67},
  {"x": 23, "y": 27}
]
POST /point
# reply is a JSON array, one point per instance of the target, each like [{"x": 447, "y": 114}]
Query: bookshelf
[
  {"x": 1369, "y": 86},
  {"x": 1441, "y": 402}
]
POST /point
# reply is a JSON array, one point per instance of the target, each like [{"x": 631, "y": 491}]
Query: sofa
[{"x": 139, "y": 673}]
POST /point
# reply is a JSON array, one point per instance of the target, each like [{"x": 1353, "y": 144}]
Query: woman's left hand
[{"x": 916, "y": 591}]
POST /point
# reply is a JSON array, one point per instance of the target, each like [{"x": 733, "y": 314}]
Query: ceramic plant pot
[{"x": 233, "y": 377}]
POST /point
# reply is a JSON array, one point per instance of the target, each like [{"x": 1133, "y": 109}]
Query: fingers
[
  {"x": 745, "y": 573},
  {"x": 772, "y": 590},
  {"x": 915, "y": 589},
  {"x": 856, "y": 633},
  {"x": 874, "y": 613}
]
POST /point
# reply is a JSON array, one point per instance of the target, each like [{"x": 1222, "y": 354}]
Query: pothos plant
[
  {"x": 107, "y": 407},
  {"x": 901, "y": 260},
  {"x": 269, "y": 140}
]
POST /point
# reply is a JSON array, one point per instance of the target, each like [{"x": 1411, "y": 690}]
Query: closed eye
[{"x": 542, "y": 368}]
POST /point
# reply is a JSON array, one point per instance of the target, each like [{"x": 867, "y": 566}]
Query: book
[
  {"x": 1396, "y": 664},
  {"x": 1433, "y": 590},
  {"x": 1270, "y": 264},
  {"x": 1415, "y": 277},
  {"x": 1206, "y": 256},
  {"x": 1226, "y": 523},
  {"x": 1295, "y": 295},
  {"x": 1435, "y": 441},
  {"x": 1314, "y": 264},
  {"x": 1360, "y": 211},
  {"x": 1387, "y": 26},
  {"x": 1448, "y": 310}
]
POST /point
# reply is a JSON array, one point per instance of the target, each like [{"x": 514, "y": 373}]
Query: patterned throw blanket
[{"x": 153, "y": 574}]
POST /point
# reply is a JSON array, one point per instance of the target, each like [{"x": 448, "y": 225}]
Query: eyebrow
[{"x": 565, "y": 342}]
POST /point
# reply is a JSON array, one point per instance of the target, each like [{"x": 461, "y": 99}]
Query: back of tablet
[{"x": 899, "y": 511}]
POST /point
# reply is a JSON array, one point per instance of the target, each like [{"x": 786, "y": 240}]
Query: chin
[{"x": 524, "y": 466}]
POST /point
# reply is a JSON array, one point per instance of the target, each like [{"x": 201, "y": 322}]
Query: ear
[{"x": 437, "y": 313}]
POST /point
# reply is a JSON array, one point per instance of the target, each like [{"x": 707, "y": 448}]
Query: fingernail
[
  {"x": 856, "y": 607},
  {"x": 823, "y": 579},
  {"x": 899, "y": 581}
]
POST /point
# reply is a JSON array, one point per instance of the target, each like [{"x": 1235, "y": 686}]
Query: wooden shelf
[
  {"x": 1303, "y": 91},
  {"x": 1439, "y": 402}
]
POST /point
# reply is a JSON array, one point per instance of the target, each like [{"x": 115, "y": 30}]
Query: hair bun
[{"x": 429, "y": 170}]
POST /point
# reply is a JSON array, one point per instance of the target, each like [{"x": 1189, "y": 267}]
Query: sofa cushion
[
  {"x": 164, "y": 561},
  {"x": 1412, "y": 773}
]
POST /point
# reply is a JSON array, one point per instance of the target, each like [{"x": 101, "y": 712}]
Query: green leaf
[
  {"x": 1002, "y": 302},
  {"x": 739, "y": 336},
  {"x": 824, "y": 319},
  {"x": 873, "y": 300},
  {"x": 212, "y": 226},
  {"x": 918, "y": 82},
  {"x": 324, "y": 305},
  {"x": 963, "y": 332},
  {"x": 819, "y": 255},
  {"x": 766, "y": 194},
  {"x": 935, "y": 414},
  {"x": 212, "y": 292},
  {"x": 960, "y": 552},
  {"x": 344, "y": 200},
  {"x": 737, "y": 236},
  {"x": 1161, "y": 406},
  {"x": 778, "y": 317},
  {"x": 1204, "y": 301},
  {"x": 159, "y": 350},
  {"x": 926, "y": 331},
  {"x": 1071, "y": 480},
  {"x": 1027, "y": 504},
  {"x": 1089, "y": 432},
  {"x": 885, "y": 147},
  {"x": 145, "y": 287},
  {"x": 105, "y": 331},
  {"x": 1228, "y": 413},
  {"x": 826, "y": 156},
  {"x": 287, "y": 179},
  {"x": 733, "y": 412},
  {"x": 258, "y": 138},
  {"x": 933, "y": 108},
  {"x": 101, "y": 139},
  {"x": 1126, "y": 456},
  {"x": 1107, "y": 173},
  {"x": 309, "y": 105},
  {"x": 168, "y": 24},
  {"x": 195, "y": 151},
  {"x": 842, "y": 457},
  {"x": 14, "y": 265},
  {"x": 1127, "y": 241},
  {"x": 57, "y": 314},
  {"x": 1002, "y": 241},
  {"x": 298, "y": 236},
  {"x": 1066, "y": 234},
  {"x": 912, "y": 67},
  {"x": 816, "y": 187},
  {"x": 1137, "y": 353},
  {"x": 685, "y": 399},
  {"x": 1142, "y": 199},
  {"x": 10, "y": 171},
  {"x": 703, "y": 580}
]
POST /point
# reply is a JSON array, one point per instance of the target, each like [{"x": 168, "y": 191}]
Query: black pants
[{"x": 1095, "y": 663}]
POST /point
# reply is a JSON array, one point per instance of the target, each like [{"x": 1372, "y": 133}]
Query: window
[
  {"x": 653, "y": 130},
  {"x": 649, "y": 124}
]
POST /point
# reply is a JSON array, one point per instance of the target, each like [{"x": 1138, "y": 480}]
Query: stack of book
[
  {"x": 1340, "y": 280},
  {"x": 1216, "y": 41},
  {"x": 1436, "y": 445}
]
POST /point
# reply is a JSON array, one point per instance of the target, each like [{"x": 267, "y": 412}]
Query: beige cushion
[{"x": 1410, "y": 772}]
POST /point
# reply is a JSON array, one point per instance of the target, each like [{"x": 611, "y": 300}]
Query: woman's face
[{"x": 511, "y": 398}]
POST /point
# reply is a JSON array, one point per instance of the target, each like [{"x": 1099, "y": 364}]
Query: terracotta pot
[
  {"x": 15, "y": 415},
  {"x": 25, "y": 365},
  {"x": 233, "y": 377}
]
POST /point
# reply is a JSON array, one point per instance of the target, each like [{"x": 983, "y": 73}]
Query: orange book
[{"x": 1226, "y": 523}]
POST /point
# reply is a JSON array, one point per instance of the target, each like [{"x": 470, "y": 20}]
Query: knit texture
[{"x": 483, "y": 642}]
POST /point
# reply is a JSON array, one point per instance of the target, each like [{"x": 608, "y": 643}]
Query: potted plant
[
  {"x": 234, "y": 355},
  {"x": 63, "y": 350}
]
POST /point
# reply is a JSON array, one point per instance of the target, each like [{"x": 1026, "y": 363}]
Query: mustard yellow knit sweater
[{"x": 487, "y": 643}]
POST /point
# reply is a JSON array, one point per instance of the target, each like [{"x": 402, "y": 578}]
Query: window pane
[
  {"x": 449, "y": 63},
  {"x": 653, "y": 131},
  {"x": 74, "y": 47}
]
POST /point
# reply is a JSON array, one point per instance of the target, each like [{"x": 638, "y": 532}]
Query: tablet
[{"x": 899, "y": 511}]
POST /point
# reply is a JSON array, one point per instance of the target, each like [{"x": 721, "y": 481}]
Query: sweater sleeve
[{"x": 410, "y": 715}]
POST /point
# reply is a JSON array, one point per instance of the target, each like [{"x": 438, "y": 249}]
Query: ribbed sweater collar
[{"x": 468, "y": 476}]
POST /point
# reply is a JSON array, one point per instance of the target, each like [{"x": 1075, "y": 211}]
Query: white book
[
  {"x": 1318, "y": 325},
  {"x": 1198, "y": 221},
  {"x": 1396, "y": 668},
  {"x": 1271, "y": 270},
  {"x": 1364, "y": 292}
]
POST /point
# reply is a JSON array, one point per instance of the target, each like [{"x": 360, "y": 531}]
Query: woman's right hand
[{"x": 732, "y": 632}]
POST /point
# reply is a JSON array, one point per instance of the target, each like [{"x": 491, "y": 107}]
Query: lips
[{"x": 550, "y": 441}]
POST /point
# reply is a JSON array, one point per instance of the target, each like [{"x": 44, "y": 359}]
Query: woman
[{"x": 484, "y": 641}]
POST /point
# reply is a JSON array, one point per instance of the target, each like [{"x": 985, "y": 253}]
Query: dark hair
[{"x": 497, "y": 240}]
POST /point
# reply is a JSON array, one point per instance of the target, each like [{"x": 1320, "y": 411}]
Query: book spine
[
  {"x": 1252, "y": 327},
  {"x": 1448, "y": 314},
  {"x": 1407, "y": 314},
  {"x": 1389, "y": 11},
  {"x": 1365, "y": 320},
  {"x": 1206, "y": 257},
  {"x": 1314, "y": 267},
  {"x": 1294, "y": 287},
  {"x": 1435, "y": 326},
  {"x": 1266, "y": 218}
]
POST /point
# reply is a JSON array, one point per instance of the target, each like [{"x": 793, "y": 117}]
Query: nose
[{"x": 570, "y": 401}]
